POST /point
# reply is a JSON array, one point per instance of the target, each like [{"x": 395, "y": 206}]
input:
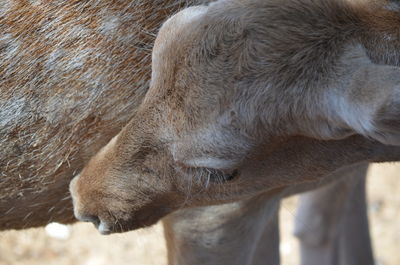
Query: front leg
[
  {"x": 332, "y": 222},
  {"x": 241, "y": 233}
]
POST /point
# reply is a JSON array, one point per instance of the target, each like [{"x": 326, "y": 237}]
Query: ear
[{"x": 370, "y": 105}]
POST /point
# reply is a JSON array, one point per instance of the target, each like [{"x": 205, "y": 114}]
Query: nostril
[
  {"x": 104, "y": 229},
  {"x": 91, "y": 218},
  {"x": 102, "y": 226}
]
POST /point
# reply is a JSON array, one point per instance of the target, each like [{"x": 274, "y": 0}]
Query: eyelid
[
  {"x": 223, "y": 176},
  {"x": 220, "y": 175},
  {"x": 210, "y": 162}
]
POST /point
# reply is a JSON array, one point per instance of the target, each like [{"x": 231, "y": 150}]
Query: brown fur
[
  {"x": 247, "y": 97},
  {"x": 72, "y": 74}
]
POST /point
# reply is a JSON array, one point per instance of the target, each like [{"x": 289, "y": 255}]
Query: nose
[
  {"x": 90, "y": 218},
  {"x": 84, "y": 217},
  {"x": 103, "y": 227},
  {"x": 80, "y": 214}
]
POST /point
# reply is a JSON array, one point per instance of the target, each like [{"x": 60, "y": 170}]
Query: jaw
[
  {"x": 143, "y": 219},
  {"x": 294, "y": 162},
  {"x": 269, "y": 170}
]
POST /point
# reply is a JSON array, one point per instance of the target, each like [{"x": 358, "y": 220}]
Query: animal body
[
  {"x": 249, "y": 97},
  {"x": 73, "y": 73},
  {"x": 251, "y": 101}
]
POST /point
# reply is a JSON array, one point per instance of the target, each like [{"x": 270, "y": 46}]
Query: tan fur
[
  {"x": 72, "y": 74},
  {"x": 249, "y": 97}
]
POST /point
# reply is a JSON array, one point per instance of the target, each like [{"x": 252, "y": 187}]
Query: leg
[
  {"x": 229, "y": 234},
  {"x": 332, "y": 222},
  {"x": 267, "y": 251},
  {"x": 354, "y": 238}
]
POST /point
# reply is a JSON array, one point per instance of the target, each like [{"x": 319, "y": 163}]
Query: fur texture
[
  {"x": 72, "y": 74},
  {"x": 249, "y": 97}
]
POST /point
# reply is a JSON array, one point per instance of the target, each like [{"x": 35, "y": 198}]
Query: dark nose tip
[{"x": 91, "y": 218}]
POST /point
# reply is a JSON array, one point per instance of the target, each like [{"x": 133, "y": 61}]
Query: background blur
[{"x": 81, "y": 244}]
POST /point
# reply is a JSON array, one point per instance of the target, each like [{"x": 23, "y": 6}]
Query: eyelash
[
  {"x": 219, "y": 176},
  {"x": 212, "y": 175}
]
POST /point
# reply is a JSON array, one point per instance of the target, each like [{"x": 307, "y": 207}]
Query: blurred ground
[{"x": 84, "y": 246}]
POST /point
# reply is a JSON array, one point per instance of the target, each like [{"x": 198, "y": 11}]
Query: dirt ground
[{"x": 82, "y": 245}]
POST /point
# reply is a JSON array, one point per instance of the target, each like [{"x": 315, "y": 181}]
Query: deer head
[{"x": 245, "y": 98}]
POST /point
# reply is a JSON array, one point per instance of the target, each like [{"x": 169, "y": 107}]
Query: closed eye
[
  {"x": 207, "y": 174},
  {"x": 220, "y": 176}
]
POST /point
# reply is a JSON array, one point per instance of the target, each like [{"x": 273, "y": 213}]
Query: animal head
[{"x": 246, "y": 97}]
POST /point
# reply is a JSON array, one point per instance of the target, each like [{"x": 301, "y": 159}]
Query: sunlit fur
[
  {"x": 72, "y": 74},
  {"x": 272, "y": 89}
]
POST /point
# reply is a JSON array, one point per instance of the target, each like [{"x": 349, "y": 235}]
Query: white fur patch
[
  {"x": 5, "y": 6},
  {"x": 35, "y": 2},
  {"x": 110, "y": 25},
  {"x": 79, "y": 59},
  {"x": 10, "y": 110},
  {"x": 54, "y": 58}
]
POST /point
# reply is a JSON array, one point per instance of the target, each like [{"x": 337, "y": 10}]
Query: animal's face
[
  {"x": 177, "y": 152},
  {"x": 219, "y": 123},
  {"x": 140, "y": 176}
]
